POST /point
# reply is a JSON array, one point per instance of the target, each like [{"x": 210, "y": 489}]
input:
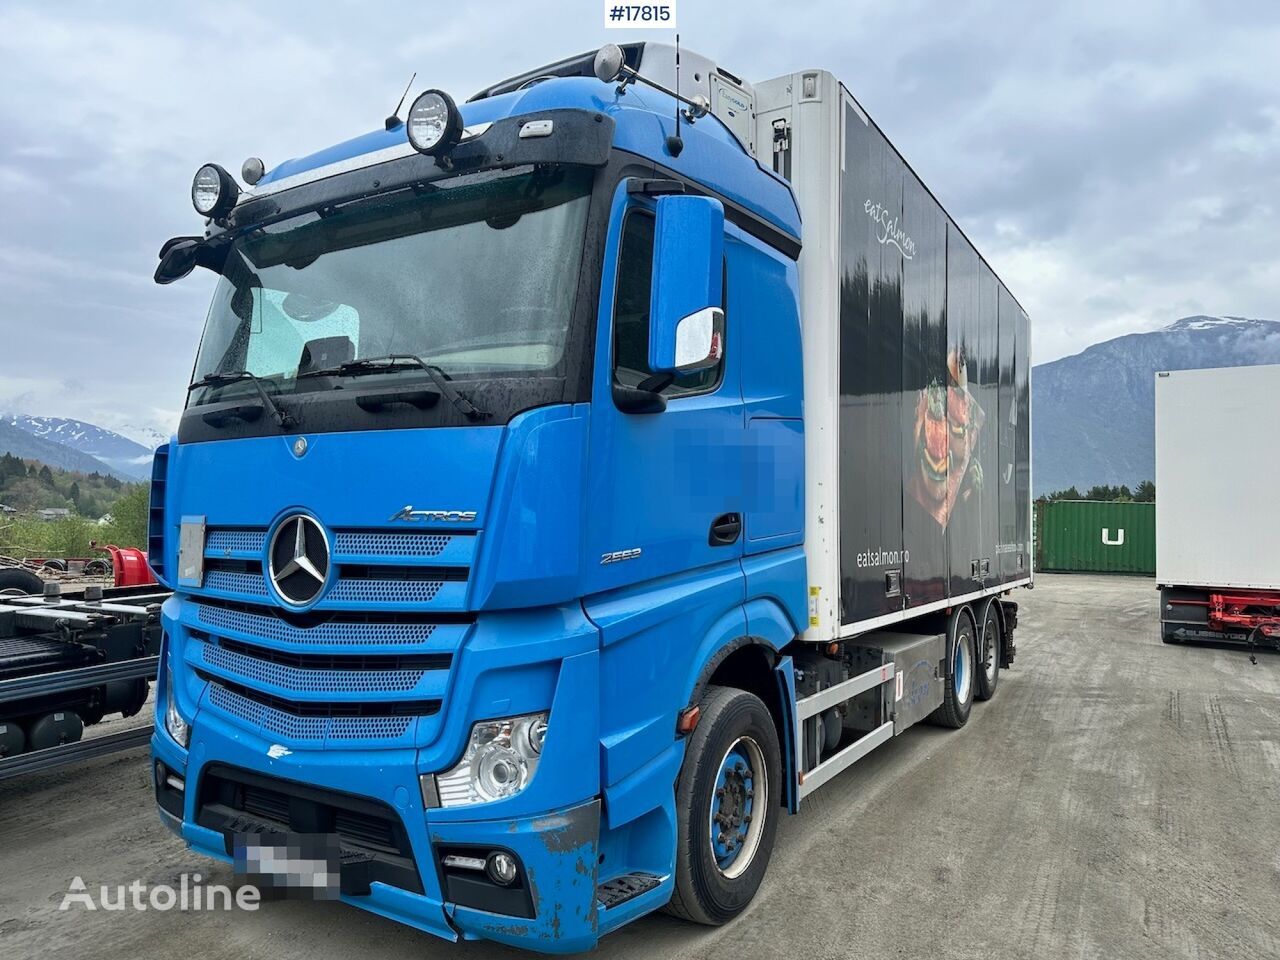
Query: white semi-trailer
[{"x": 1217, "y": 517}]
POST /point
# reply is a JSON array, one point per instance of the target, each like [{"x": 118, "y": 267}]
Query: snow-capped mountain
[
  {"x": 148, "y": 437},
  {"x": 117, "y": 454},
  {"x": 1093, "y": 414},
  {"x": 28, "y": 446}
]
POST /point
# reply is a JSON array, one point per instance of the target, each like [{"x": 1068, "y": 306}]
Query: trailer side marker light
[{"x": 688, "y": 720}]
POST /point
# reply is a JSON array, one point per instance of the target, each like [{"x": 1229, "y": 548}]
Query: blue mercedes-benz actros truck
[{"x": 551, "y": 513}]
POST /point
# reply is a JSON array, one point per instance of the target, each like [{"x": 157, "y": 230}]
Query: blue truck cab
[{"x": 486, "y": 517}]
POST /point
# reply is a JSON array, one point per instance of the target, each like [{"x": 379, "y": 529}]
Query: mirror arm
[
  {"x": 656, "y": 383},
  {"x": 210, "y": 253},
  {"x": 638, "y": 400},
  {"x": 655, "y": 187}
]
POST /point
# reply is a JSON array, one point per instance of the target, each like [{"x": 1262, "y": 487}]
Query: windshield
[{"x": 475, "y": 275}]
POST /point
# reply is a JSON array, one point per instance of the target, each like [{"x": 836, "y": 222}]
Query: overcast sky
[{"x": 1118, "y": 163}]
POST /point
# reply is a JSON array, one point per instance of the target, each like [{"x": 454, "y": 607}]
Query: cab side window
[{"x": 631, "y": 314}]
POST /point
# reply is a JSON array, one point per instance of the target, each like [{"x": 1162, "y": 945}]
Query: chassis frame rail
[
  {"x": 54, "y": 757},
  {"x": 89, "y": 622}
]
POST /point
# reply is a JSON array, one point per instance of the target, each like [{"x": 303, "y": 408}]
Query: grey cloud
[{"x": 1117, "y": 163}]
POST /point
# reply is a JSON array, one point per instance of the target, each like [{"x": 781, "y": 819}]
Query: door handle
[{"x": 725, "y": 529}]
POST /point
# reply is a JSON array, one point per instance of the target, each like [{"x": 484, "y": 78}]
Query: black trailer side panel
[
  {"x": 1022, "y": 439},
  {"x": 965, "y": 418},
  {"x": 928, "y": 389},
  {"x": 984, "y": 440},
  {"x": 1004, "y": 567},
  {"x": 871, "y": 369},
  {"x": 924, "y": 381}
]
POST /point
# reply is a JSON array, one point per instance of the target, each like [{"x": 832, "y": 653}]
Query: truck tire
[
  {"x": 15, "y": 582},
  {"x": 958, "y": 682},
  {"x": 727, "y": 807},
  {"x": 988, "y": 673}
]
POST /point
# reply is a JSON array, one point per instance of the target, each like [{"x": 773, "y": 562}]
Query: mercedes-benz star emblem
[{"x": 298, "y": 560}]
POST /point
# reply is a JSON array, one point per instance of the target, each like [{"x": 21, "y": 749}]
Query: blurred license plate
[{"x": 297, "y": 866}]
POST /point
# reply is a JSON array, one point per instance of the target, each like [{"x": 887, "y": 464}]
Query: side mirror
[
  {"x": 177, "y": 259},
  {"x": 686, "y": 322}
]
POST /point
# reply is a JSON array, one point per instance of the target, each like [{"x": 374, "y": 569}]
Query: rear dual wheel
[
  {"x": 990, "y": 642},
  {"x": 959, "y": 682}
]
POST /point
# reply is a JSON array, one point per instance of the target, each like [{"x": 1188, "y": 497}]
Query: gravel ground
[{"x": 1116, "y": 799}]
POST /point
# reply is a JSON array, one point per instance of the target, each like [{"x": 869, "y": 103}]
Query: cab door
[{"x": 665, "y": 486}]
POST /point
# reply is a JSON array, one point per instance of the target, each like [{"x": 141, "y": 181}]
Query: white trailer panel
[{"x": 1218, "y": 478}]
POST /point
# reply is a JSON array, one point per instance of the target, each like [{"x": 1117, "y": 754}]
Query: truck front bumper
[{"x": 551, "y": 908}]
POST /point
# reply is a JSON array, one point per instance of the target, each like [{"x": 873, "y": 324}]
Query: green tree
[
  {"x": 129, "y": 514},
  {"x": 11, "y": 468},
  {"x": 1071, "y": 493},
  {"x": 30, "y": 495},
  {"x": 1146, "y": 492}
]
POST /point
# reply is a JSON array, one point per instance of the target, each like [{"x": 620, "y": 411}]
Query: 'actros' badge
[{"x": 410, "y": 515}]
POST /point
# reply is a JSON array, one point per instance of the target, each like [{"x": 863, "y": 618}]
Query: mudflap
[
  {"x": 786, "y": 676},
  {"x": 1008, "y": 650}
]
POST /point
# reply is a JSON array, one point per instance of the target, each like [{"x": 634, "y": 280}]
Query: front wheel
[{"x": 727, "y": 803}]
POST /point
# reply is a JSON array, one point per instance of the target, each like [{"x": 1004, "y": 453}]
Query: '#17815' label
[{"x": 660, "y": 16}]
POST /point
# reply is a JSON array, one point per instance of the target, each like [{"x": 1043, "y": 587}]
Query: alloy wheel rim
[
  {"x": 962, "y": 669},
  {"x": 992, "y": 632},
  {"x": 739, "y": 805}
]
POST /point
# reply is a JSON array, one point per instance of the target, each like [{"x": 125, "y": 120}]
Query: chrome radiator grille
[{"x": 367, "y": 664}]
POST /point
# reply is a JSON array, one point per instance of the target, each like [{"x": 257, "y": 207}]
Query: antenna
[
  {"x": 393, "y": 121},
  {"x": 677, "y": 83},
  {"x": 675, "y": 144}
]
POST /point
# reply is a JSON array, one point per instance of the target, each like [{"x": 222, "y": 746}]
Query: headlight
[
  {"x": 500, "y": 760},
  {"x": 178, "y": 728},
  {"x": 434, "y": 124},
  {"x": 213, "y": 191}
]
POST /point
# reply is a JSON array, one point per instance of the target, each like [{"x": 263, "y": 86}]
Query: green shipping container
[{"x": 1094, "y": 536}]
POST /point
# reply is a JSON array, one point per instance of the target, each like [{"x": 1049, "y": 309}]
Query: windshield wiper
[
  {"x": 282, "y": 417},
  {"x": 389, "y": 361}
]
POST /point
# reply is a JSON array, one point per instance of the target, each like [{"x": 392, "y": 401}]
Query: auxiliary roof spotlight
[
  {"x": 252, "y": 170},
  {"x": 434, "y": 125},
  {"x": 213, "y": 191}
]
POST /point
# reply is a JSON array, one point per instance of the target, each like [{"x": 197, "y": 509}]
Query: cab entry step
[{"x": 624, "y": 888}]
